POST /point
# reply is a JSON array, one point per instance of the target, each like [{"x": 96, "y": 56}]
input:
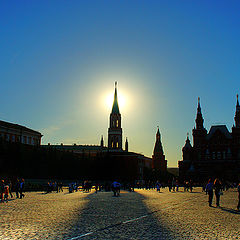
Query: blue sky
[{"x": 59, "y": 59}]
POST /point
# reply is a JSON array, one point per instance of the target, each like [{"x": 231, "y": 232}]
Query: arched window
[
  {"x": 117, "y": 145},
  {"x": 112, "y": 144},
  {"x": 117, "y": 123}
]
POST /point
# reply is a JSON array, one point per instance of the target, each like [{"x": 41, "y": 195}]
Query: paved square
[{"x": 143, "y": 214}]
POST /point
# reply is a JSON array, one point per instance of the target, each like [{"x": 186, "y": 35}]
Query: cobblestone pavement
[{"x": 144, "y": 214}]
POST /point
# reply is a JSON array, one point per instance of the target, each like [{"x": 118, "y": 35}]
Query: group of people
[
  {"x": 54, "y": 186},
  {"x": 6, "y": 189},
  {"x": 215, "y": 187},
  {"x": 116, "y": 188}
]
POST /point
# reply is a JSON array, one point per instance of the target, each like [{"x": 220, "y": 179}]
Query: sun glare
[{"x": 121, "y": 101}]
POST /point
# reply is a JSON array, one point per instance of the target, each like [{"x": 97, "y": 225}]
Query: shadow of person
[{"x": 230, "y": 210}]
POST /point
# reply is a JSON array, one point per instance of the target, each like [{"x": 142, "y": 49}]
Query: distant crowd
[
  {"x": 6, "y": 189},
  {"x": 211, "y": 188}
]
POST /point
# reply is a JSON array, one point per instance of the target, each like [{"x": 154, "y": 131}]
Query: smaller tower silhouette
[
  {"x": 199, "y": 132},
  {"x": 126, "y": 145},
  {"x": 236, "y": 132},
  {"x": 187, "y": 150},
  {"x": 158, "y": 158},
  {"x": 199, "y": 119},
  {"x": 237, "y": 114},
  {"x": 102, "y": 142}
]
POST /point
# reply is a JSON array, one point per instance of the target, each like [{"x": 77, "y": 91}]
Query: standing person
[
  {"x": 209, "y": 191},
  {"x": 169, "y": 185},
  {"x": 2, "y": 190},
  {"x": 17, "y": 188},
  {"x": 61, "y": 187},
  {"x": 173, "y": 184},
  {"x": 238, "y": 188},
  {"x": 96, "y": 187},
  {"x": 118, "y": 186},
  {"x": 217, "y": 187},
  {"x": 6, "y": 192},
  {"x": 177, "y": 185},
  {"x": 21, "y": 188},
  {"x": 190, "y": 185},
  {"x": 10, "y": 188},
  {"x": 158, "y": 186}
]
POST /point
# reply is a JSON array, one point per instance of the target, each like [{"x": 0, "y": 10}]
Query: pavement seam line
[{"x": 128, "y": 221}]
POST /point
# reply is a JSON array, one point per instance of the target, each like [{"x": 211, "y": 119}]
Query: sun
[{"x": 121, "y": 100}]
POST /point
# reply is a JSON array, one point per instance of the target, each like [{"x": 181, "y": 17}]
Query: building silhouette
[
  {"x": 158, "y": 158},
  {"x": 213, "y": 154},
  {"x": 111, "y": 161},
  {"x": 15, "y": 133}
]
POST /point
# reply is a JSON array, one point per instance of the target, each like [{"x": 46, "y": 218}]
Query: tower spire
[
  {"x": 115, "y": 108},
  {"x": 158, "y": 159},
  {"x": 126, "y": 145},
  {"x": 158, "y": 144},
  {"x": 199, "y": 119},
  {"x": 115, "y": 129},
  {"x": 199, "y": 111},
  {"x": 237, "y": 114}
]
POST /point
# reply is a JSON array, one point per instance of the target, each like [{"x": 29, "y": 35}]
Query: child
[
  {"x": 6, "y": 192},
  {"x": 1, "y": 190}
]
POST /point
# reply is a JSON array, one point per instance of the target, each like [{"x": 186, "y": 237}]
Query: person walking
[
  {"x": 17, "y": 188},
  {"x": 238, "y": 188},
  {"x": 10, "y": 188},
  {"x": 6, "y": 192},
  {"x": 2, "y": 190},
  {"x": 21, "y": 188},
  {"x": 217, "y": 187},
  {"x": 158, "y": 186},
  {"x": 209, "y": 191}
]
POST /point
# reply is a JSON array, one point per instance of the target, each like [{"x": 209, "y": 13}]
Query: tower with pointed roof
[
  {"x": 199, "y": 132},
  {"x": 126, "y": 145},
  {"x": 158, "y": 158},
  {"x": 215, "y": 153},
  {"x": 187, "y": 150},
  {"x": 102, "y": 142},
  {"x": 115, "y": 129},
  {"x": 237, "y": 115},
  {"x": 236, "y": 131}
]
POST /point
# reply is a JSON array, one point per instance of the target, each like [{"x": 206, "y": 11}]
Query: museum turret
[
  {"x": 237, "y": 115},
  {"x": 187, "y": 150},
  {"x": 236, "y": 132},
  {"x": 199, "y": 132}
]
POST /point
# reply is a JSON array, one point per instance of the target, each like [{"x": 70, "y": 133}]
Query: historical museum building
[
  {"x": 16, "y": 133},
  {"x": 213, "y": 154}
]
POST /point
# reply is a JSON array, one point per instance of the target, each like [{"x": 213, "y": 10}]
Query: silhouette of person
[
  {"x": 238, "y": 206},
  {"x": 209, "y": 191},
  {"x": 217, "y": 187}
]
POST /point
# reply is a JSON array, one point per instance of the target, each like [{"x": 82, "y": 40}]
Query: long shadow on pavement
[
  {"x": 124, "y": 217},
  {"x": 230, "y": 210}
]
